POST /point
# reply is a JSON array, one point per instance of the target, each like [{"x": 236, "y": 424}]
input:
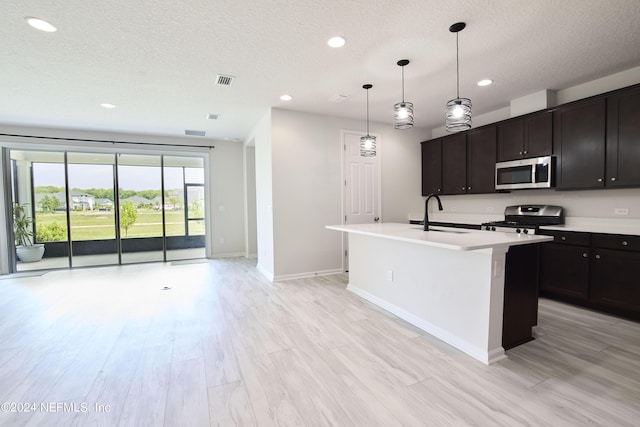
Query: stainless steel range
[{"x": 526, "y": 219}]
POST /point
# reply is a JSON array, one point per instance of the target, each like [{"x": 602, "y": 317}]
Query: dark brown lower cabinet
[
  {"x": 564, "y": 271},
  {"x": 598, "y": 271},
  {"x": 616, "y": 281},
  {"x": 520, "y": 313}
]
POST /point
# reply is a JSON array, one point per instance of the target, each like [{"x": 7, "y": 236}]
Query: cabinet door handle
[
  {"x": 625, "y": 243},
  {"x": 597, "y": 256},
  {"x": 613, "y": 179},
  {"x": 468, "y": 188},
  {"x": 563, "y": 238},
  {"x": 584, "y": 255},
  {"x": 464, "y": 188},
  {"x": 525, "y": 151},
  {"x": 520, "y": 153},
  {"x": 439, "y": 190},
  {"x": 599, "y": 179}
]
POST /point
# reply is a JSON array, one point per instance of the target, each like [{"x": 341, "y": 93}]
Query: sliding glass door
[
  {"x": 139, "y": 196},
  {"x": 184, "y": 207},
  {"x": 89, "y": 209},
  {"x": 38, "y": 197}
]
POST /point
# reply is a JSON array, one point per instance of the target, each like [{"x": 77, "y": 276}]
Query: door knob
[{"x": 376, "y": 219}]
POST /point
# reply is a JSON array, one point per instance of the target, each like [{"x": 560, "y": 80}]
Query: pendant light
[
  {"x": 403, "y": 111},
  {"x": 368, "y": 143},
  {"x": 458, "y": 115}
]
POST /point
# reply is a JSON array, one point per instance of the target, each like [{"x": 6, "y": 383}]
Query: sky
[{"x": 136, "y": 178}]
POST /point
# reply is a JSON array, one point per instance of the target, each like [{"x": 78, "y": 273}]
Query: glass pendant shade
[
  {"x": 368, "y": 146},
  {"x": 403, "y": 111},
  {"x": 368, "y": 142},
  {"x": 403, "y": 115},
  {"x": 458, "y": 115}
]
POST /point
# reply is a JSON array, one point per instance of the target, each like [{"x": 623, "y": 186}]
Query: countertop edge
[{"x": 473, "y": 247}]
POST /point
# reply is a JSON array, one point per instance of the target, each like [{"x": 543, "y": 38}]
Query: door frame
[{"x": 343, "y": 185}]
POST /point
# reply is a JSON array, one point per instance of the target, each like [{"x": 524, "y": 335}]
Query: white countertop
[
  {"x": 598, "y": 225},
  {"x": 450, "y": 238}
]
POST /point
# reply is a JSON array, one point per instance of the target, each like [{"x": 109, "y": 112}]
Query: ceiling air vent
[
  {"x": 224, "y": 80},
  {"x": 337, "y": 99},
  {"x": 212, "y": 116},
  {"x": 194, "y": 132}
]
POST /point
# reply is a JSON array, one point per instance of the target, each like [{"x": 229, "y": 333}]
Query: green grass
[{"x": 99, "y": 225}]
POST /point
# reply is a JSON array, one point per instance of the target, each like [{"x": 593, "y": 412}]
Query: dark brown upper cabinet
[
  {"x": 481, "y": 160},
  {"x": 526, "y": 137},
  {"x": 623, "y": 139},
  {"x": 579, "y": 139},
  {"x": 454, "y": 163},
  {"x": 431, "y": 167}
]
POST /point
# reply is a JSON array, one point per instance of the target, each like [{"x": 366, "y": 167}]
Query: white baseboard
[
  {"x": 281, "y": 277},
  {"x": 487, "y": 357},
  {"x": 251, "y": 256},
  {"x": 228, "y": 255}
]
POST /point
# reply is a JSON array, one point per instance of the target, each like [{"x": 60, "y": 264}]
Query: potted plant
[{"x": 22, "y": 227}]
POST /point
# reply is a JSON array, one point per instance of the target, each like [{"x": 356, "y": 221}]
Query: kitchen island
[{"x": 448, "y": 282}]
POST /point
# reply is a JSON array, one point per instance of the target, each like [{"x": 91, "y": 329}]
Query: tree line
[{"x": 103, "y": 193}]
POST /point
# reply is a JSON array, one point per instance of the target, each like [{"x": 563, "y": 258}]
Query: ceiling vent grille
[
  {"x": 212, "y": 116},
  {"x": 194, "y": 132},
  {"x": 224, "y": 80},
  {"x": 337, "y": 99}
]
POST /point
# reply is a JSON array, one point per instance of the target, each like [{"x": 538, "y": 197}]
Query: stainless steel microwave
[{"x": 526, "y": 173}]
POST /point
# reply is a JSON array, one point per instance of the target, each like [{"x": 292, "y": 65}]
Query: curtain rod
[{"x": 107, "y": 141}]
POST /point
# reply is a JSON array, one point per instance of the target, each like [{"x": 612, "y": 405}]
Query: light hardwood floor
[{"x": 226, "y": 347}]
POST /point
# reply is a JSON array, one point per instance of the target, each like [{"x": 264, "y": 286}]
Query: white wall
[
  {"x": 307, "y": 186},
  {"x": 250, "y": 229},
  {"x": 226, "y": 191},
  {"x": 261, "y": 135}
]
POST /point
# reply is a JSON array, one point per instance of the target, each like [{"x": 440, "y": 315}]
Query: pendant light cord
[
  {"x": 403, "y": 84},
  {"x": 367, "y": 112},
  {"x": 457, "y": 68}
]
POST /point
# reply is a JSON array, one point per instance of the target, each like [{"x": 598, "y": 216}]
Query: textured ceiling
[{"x": 157, "y": 59}]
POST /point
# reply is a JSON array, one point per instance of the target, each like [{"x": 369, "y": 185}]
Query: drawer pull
[
  {"x": 584, "y": 255},
  {"x": 625, "y": 243},
  {"x": 563, "y": 238},
  {"x": 613, "y": 179},
  {"x": 597, "y": 256}
]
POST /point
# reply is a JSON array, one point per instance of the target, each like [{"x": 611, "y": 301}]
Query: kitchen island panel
[{"x": 454, "y": 295}]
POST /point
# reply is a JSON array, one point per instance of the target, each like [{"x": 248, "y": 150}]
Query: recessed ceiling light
[
  {"x": 485, "y": 82},
  {"x": 107, "y": 105},
  {"x": 336, "y": 41},
  {"x": 40, "y": 24},
  {"x": 286, "y": 97}
]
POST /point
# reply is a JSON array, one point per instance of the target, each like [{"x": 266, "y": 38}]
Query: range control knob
[
  {"x": 488, "y": 228},
  {"x": 517, "y": 230},
  {"x": 493, "y": 229},
  {"x": 525, "y": 231}
]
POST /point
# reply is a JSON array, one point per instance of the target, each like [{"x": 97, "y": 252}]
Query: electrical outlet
[
  {"x": 390, "y": 275},
  {"x": 621, "y": 211}
]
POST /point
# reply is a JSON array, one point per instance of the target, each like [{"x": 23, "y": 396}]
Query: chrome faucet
[{"x": 426, "y": 210}]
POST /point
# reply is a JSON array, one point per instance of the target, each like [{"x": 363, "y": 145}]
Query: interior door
[{"x": 361, "y": 185}]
